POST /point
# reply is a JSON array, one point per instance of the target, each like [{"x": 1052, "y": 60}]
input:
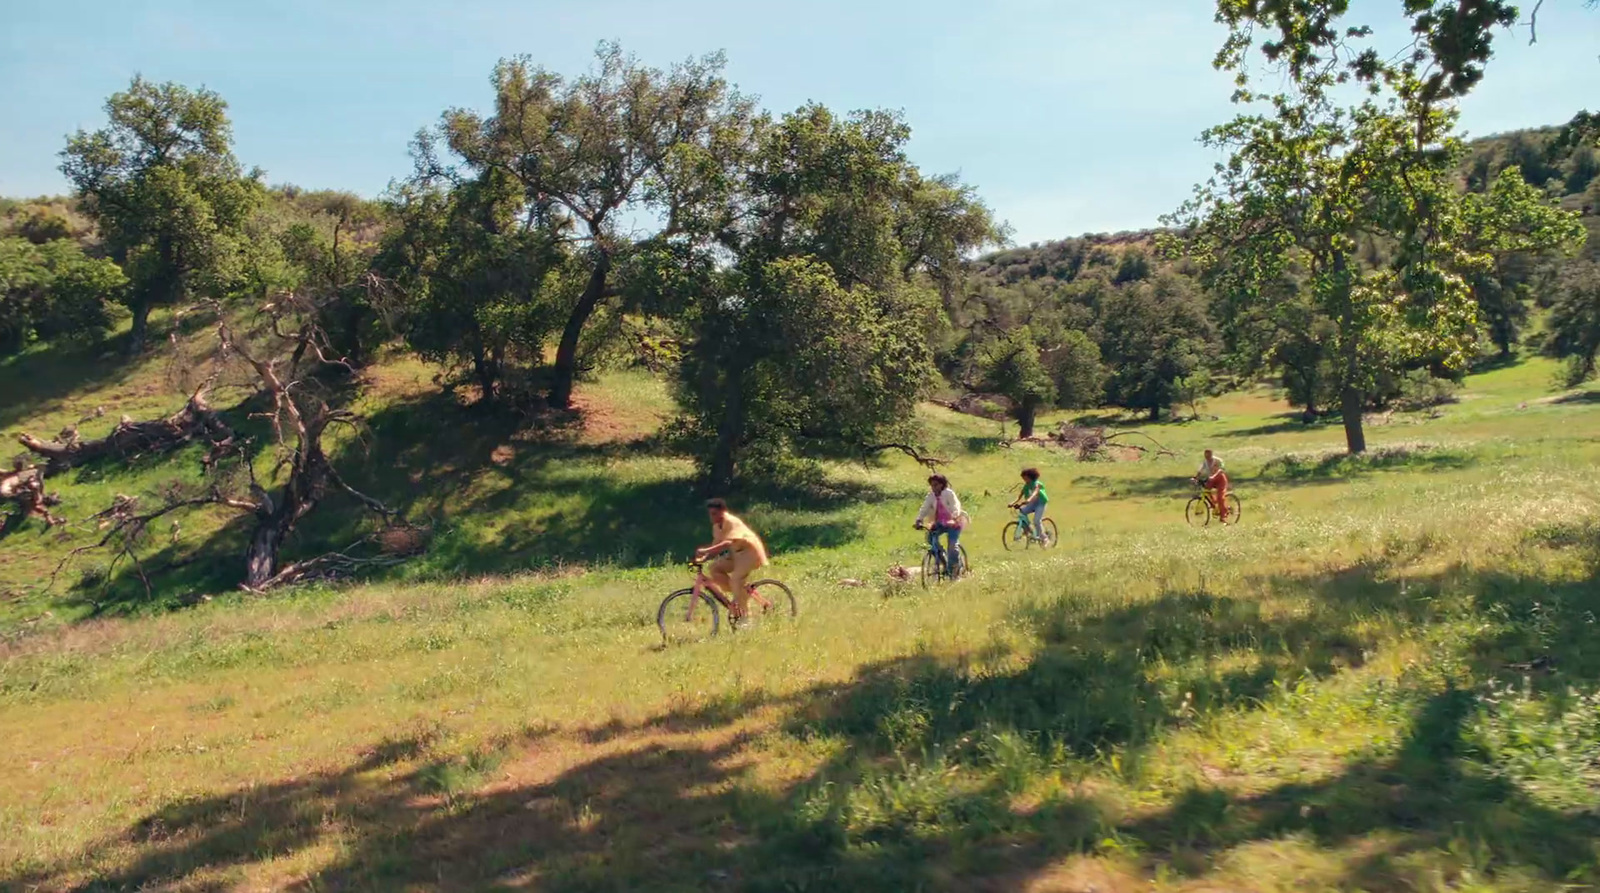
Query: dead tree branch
[
  {"x": 1092, "y": 443},
  {"x": 23, "y": 486},
  {"x": 931, "y": 462}
]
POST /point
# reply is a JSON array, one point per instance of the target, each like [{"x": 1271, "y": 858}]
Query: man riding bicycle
[
  {"x": 1215, "y": 480},
  {"x": 739, "y": 553}
]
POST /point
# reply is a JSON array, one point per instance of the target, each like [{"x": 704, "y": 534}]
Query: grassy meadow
[{"x": 1386, "y": 678}]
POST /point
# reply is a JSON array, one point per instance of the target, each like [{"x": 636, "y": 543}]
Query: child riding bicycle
[
  {"x": 1215, "y": 481},
  {"x": 1032, "y": 502}
]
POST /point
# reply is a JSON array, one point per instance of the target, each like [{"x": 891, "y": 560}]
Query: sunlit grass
[{"x": 1383, "y": 679}]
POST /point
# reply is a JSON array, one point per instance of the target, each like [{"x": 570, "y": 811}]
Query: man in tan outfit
[{"x": 742, "y": 553}]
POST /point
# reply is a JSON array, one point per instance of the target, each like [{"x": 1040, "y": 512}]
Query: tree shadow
[
  {"x": 41, "y": 379},
  {"x": 1432, "y": 795},
  {"x": 1299, "y": 468},
  {"x": 1292, "y": 423},
  {"x": 556, "y": 499},
  {"x": 1579, "y": 398}
]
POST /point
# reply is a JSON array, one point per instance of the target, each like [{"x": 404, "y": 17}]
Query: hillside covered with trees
[{"x": 797, "y": 280}]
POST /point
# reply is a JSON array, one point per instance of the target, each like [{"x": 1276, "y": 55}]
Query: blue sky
[{"x": 1070, "y": 116}]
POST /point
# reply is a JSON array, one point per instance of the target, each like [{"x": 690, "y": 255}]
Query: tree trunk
[
  {"x": 1353, "y": 403},
  {"x": 485, "y": 372},
  {"x": 1027, "y": 411},
  {"x": 566, "y": 368},
  {"x": 725, "y": 457},
  {"x": 1352, "y": 400},
  {"x": 1155, "y": 413},
  {"x": 261, "y": 560},
  {"x": 141, "y": 326}
]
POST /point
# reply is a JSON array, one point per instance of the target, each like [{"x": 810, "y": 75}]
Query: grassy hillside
[{"x": 1383, "y": 680}]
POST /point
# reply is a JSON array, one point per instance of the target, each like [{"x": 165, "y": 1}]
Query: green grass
[{"x": 1385, "y": 679}]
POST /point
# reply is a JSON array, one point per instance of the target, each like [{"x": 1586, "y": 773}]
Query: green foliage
[
  {"x": 1419, "y": 389},
  {"x": 1311, "y": 182},
  {"x": 53, "y": 291},
  {"x": 1012, "y": 368},
  {"x": 588, "y": 162},
  {"x": 1152, "y": 335},
  {"x": 1061, "y": 292},
  {"x": 163, "y": 188},
  {"x": 479, "y": 291},
  {"x": 1574, "y": 321},
  {"x": 815, "y": 336},
  {"x": 1076, "y": 370},
  {"x": 1452, "y": 44}
]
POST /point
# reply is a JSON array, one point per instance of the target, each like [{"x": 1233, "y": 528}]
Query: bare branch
[{"x": 929, "y": 461}]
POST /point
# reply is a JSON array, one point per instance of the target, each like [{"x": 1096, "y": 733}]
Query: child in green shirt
[{"x": 1032, "y": 501}]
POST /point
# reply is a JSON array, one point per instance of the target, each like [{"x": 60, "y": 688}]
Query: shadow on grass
[
  {"x": 1289, "y": 423},
  {"x": 918, "y": 763},
  {"x": 41, "y": 378},
  {"x": 501, "y": 499},
  {"x": 1580, "y": 398},
  {"x": 506, "y": 499},
  {"x": 1297, "y": 467}
]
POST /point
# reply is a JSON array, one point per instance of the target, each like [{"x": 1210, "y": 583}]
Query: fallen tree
[
  {"x": 286, "y": 359},
  {"x": 1093, "y": 443},
  {"x": 130, "y": 439}
]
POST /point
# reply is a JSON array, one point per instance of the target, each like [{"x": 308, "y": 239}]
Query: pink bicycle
[{"x": 692, "y": 614}]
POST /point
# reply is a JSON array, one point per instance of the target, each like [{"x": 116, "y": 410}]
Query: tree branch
[{"x": 930, "y": 461}]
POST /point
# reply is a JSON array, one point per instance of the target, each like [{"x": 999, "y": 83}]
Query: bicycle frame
[
  {"x": 703, "y": 584},
  {"x": 1026, "y": 523}
]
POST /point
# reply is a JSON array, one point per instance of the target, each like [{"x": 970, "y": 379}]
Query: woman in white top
[{"x": 943, "y": 508}]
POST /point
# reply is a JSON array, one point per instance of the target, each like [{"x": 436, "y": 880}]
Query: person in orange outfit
[
  {"x": 740, "y": 552},
  {"x": 1213, "y": 478}
]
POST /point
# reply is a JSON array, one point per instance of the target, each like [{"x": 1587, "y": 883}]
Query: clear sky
[{"x": 1069, "y": 116}]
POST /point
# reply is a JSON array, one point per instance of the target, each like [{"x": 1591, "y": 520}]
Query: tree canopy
[{"x": 166, "y": 194}]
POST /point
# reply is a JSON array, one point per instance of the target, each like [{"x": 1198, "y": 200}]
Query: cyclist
[
  {"x": 1033, "y": 501},
  {"x": 943, "y": 507},
  {"x": 739, "y": 553},
  {"x": 1213, "y": 478}
]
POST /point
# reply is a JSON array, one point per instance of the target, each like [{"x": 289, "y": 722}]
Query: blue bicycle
[
  {"x": 1021, "y": 530},
  {"x": 935, "y": 567}
]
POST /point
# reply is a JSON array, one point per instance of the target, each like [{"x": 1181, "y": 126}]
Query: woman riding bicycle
[
  {"x": 944, "y": 508},
  {"x": 740, "y": 553}
]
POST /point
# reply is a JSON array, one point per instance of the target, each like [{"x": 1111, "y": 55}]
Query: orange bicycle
[
  {"x": 692, "y": 614},
  {"x": 1200, "y": 510}
]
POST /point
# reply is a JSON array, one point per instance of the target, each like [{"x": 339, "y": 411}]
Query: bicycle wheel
[
  {"x": 1198, "y": 511},
  {"x": 932, "y": 569},
  {"x": 1233, "y": 510},
  {"x": 779, "y": 602},
  {"x": 1010, "y": 536},
  {"x": 965, "y": 566},
  {"x": 1051, "y": 537},
  {"x": 682, "y": 619}
]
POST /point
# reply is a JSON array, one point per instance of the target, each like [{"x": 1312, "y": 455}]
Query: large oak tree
[{"x": 169, "y": 199}]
